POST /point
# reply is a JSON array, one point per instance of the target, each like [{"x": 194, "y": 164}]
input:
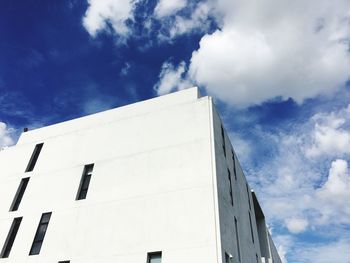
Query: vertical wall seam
[{"x": 214, "y": 182}]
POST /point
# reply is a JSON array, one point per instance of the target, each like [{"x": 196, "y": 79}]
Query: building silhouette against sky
[{"x": 155, "y": 181}]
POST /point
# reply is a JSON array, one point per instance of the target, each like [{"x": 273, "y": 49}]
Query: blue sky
[{"x": 278, "y": 70}]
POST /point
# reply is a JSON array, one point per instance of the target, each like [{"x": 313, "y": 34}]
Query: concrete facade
[{"x": 159, "y": 183}]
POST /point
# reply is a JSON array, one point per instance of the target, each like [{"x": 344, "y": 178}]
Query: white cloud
[
  {"x": 168, "y": 7},
  {"x": 275, "y": 49},
  {"x": 197, "y": 21},
  {"x": 262, "y": 50},
  {"x": 5, "y": 135},
  {"x": 338, "y": 251},
  {"x": 269, "y": 49},
  {"x": 296, "y": 225},
  {"x": 171, "y": 78},
  {"x": 100, "y": 13},
  {"x": 330, "y": 135},
  {"x": 297, "y": 191},
  {"x": 301, "y": 192},
  {"x": 117, "y": 16},
  {"x": 333, "y": 197}
]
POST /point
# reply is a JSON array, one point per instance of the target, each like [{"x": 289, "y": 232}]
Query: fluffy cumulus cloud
[
  {"x": 260, "y": 51},
  {"x": 271, "y": 49},
  {"x": 5, "y": 135},
  {"x": 275, "y": 49},
  {"x": 104, "y": 13}
]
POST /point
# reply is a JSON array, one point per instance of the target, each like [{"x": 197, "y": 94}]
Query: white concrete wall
[
  {"x": 159, "y": 184},
  {"x": 151, "y": 188}
]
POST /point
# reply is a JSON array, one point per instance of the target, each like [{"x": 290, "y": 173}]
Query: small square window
[{"x": 154, "y": 257}]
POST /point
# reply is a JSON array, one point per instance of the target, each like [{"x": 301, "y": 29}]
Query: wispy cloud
[
  {"x": 171, "y": 78},
  {"x": 338, "y": 251},
  {"x": 302, "y": 192},
  {"x": 168, "y": 19}
]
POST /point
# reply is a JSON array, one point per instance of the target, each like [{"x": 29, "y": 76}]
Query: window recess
[
  {"x": 34, "y": 157},
  {"x": 223, "y": 140},
  {"x": 85, "y": 182},
  {"x": 40, "y": 234},
  {"x": 154, "y": 257},
  {"x": 230, "y": 185},
  {"x": 19, "y": 194},
  {"x": 11, "y": 237}
]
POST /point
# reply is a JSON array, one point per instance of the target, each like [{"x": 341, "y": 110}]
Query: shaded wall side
[
  {"x": 274, "y": 253},
  {"x": 240, "y": 210}
]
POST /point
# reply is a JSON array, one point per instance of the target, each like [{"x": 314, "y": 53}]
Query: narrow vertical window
[
  {"x": 234, "y": 165},
  {"x": 251, "y": 227},
  {"x": 154, "y": 257},
  {"x": 11, "y": 237},
  {"x": 237, "y": 241},
  {"x": 223, "y": 140},
  {"x": 230, "y": 184},
  {"x": 19, "y": 194},
  {"x": 250, "y": 208},
  {"x": 85, "y": 181},
  {"x": 257, "y": 258},
  {"x": 227, "y": 258},
  {"x": 40, "y": 234},
  {"x": 34, "y": 157}
]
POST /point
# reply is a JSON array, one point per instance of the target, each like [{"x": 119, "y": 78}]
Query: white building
[{"x": 155, "y": 181}]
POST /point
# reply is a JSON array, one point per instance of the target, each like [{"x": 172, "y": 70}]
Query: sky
[{"x": 278, "y": 70}]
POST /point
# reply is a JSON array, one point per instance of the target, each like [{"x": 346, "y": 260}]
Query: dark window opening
[
  {"x": 248, "y": 196},
  {"x": 11, "y": 237},
  {"x": 85, "y": 181},
  {"x": 19, "y": 194},
  {"x": 237, "y": 241},
  {"x": 251, "y": 227},
  {"x": 65, "y": 261},
  {"x": 154, "y": 257},
  {"x": 230, "y": 184},
  {"x": 40, "y": 234},
  {"x": 227, "y": 258},
  {"x": 234, "y": 165},
  {"x": 223, "y": 140},
  {"x": 34, "y": 157}
]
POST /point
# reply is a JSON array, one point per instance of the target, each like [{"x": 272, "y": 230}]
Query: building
[{"x": 155, "y": 181}]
